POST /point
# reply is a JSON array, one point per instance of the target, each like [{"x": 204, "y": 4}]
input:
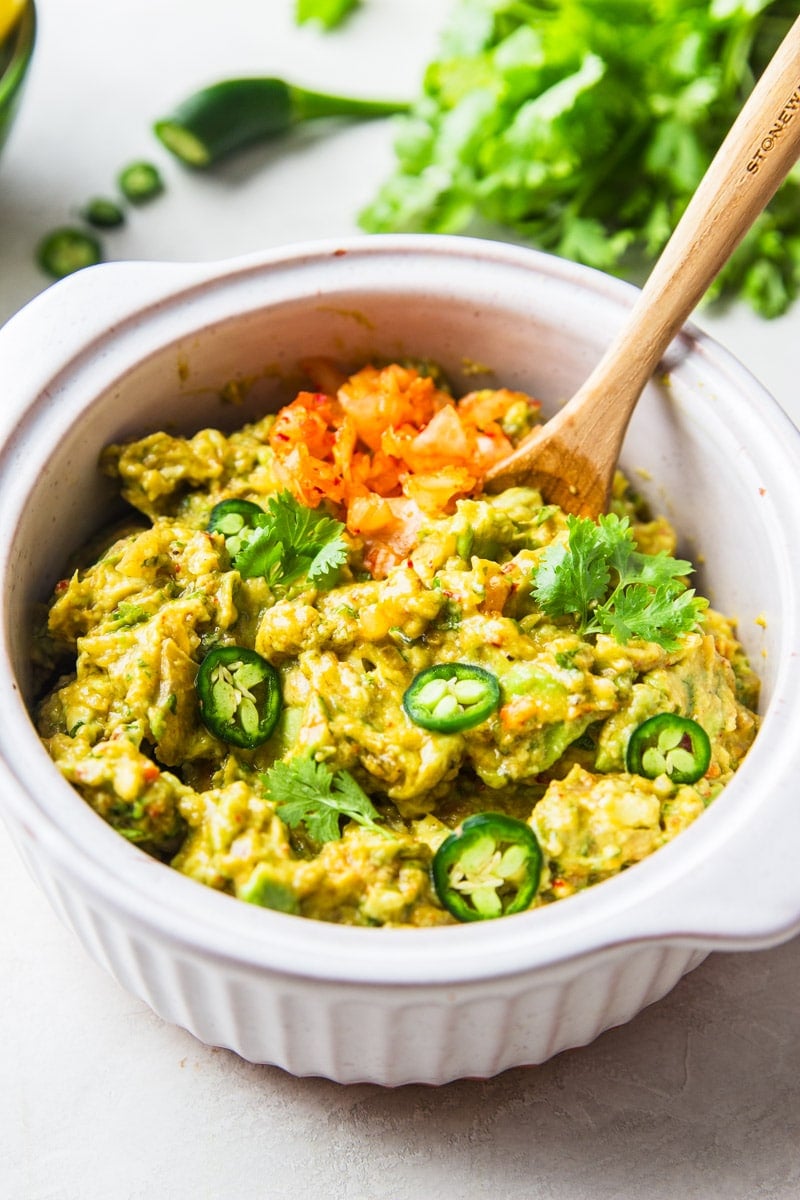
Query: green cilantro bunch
[
  {"x": 609, "y": 586},
  {"x": 584, "y": 126}
]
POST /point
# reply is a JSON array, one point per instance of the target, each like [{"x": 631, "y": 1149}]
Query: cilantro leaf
[
  {"x": 329, "y": 13},
  {"x": 585, "y": 127},
  {"x": 307, "y": 792},
  {"x": 573, "y": 579},
  {"x": 291, "y": 545},
  {"x": 656, "y": 615},
  {"x": 326, "y": 563},
  {"x": 609, "y": 586}
]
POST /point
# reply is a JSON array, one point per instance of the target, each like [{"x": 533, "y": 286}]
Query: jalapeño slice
[
  {"x": 491, "y": 868},
  {"x": 239, "y": 694},
  {"x": 449, "y": 697},
  {"x": 140, "y": 182},
  {"x": 66, "y": 250},
  {"x": 235, "y": 520},
  {"x": 669, "y": 745}
]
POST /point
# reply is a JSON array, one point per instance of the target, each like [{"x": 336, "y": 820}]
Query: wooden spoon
[{"x": 572, "y": 458}]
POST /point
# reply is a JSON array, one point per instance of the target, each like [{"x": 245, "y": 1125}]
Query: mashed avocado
[{"x": 449, "y": 584}]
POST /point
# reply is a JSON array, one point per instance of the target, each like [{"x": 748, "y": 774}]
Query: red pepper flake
[
  {"x": 61, "y": 586},
  {"x": 150, "y": 773}
]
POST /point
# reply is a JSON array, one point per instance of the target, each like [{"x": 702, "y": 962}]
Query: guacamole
[{"x": 232, "y": 686}]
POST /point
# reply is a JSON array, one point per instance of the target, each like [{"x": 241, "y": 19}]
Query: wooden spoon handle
[
  {"x": 761, "y": 148},
  {"x": 573, "y": 457}
]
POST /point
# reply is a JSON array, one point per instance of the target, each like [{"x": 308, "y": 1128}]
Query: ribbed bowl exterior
[
  {"x": 364, "y": 1005},
  {"x": 357, "y": 1034}
]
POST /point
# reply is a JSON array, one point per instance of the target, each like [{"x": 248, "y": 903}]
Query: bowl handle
[
  {"x": 77, "y": 310},
  {"x": 746, "y": 894}
]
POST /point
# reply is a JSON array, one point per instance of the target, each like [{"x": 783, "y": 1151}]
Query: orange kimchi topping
[{"x": 390, "y": 450}]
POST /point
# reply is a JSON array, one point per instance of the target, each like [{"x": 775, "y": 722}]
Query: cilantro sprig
[
  {"x": 290, "y": 545},
  {"x": 586, "y": 126},
  {"x": 329, "y": 13},
  {"x": 609, "y": 586},
  {"x": 307, "y": 792}
]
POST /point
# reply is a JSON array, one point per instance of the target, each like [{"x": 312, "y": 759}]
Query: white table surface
[{"x": 698, "y": 1097}]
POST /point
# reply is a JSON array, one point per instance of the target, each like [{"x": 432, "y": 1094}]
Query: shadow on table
[{"x": 699, "y": 1096}]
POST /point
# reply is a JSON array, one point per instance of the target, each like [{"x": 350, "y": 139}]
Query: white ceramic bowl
[{"x": 122, "y": 349}]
